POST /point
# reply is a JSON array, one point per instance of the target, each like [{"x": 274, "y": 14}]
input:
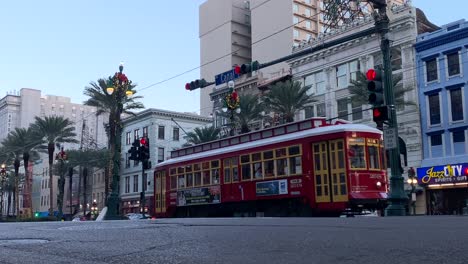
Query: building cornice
[
  {"x": 441, "y": 40},
  {"x": 164, "y": 113}
]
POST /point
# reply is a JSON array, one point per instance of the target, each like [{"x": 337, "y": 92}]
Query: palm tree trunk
[
  {"x": 51, "y": 149},
  {"x": 27, "y": 205},
  {"x": 9, "y": 203},
  {"x": 16, "y": 165},
  {"x": 106, "y": 183},
  {"x": 61, "y": 190},
  {"x": 80, "y": 180}
]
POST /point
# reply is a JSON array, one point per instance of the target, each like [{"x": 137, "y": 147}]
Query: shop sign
[
  {"x": 272, "y": 187},
  {"x": 196, "y": 196},
  {"x": 443, "y": 174}
]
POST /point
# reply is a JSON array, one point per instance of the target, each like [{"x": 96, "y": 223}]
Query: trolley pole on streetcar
[{"x": 397, "y": 196}]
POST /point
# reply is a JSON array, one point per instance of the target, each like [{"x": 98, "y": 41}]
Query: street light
[
  {"x": 120, "y": 88},
  {"x": 231, "y": 104},
  {"x": 413, "y": 182}
]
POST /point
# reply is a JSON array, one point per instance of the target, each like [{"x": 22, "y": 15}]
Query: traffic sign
[
  {"x": 390, "y": 138},
  {"x": 226, "y": 77}
]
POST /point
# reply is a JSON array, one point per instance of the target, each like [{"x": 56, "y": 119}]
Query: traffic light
[
  {"x": 200, "y": 83},
  {"x": 144, "y": 151},
  {"x": 134, "y": 150},
  {"x": 246, "y": 68},
  {"x": 380, "y": 114},
  {"x": 375, "y": 87}
]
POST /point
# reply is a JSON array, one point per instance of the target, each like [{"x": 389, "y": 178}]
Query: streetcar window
[
  {"x": 295, "y": 163},
  {"x": 268, "y": 154},
  {"x": 245, "y": 158},
  {"x": 188, "y": 168},
  {"x": 189, "y": 179},
  {"x": 206, "y": 177},
  {"x": 246, "y": 172},
  {"x": 244, "y": 139},
  {"x": 205, "y": 165},
  {"x": 373, "y": 157},
  {"x": 235, "y": 174},
  {"x": 198, "y": 179},
  {"x": 181, "y": 181},
  {"x": 279, "y": 131},
  {"x": 292, "y": 128},
  {"x": 282, "y": 167},
  {"x": 342, "y": 183},
  {"x": 269, "y": 163},
  {"x": 267, "y": 134},
  {"x": 180, "y": 170},
  {"x": 295, "y": 150},
  {"x": 173, "y": 171},
  {"x": 173, "y": 182},
  {"x": 196, "y": 166},
  {"x": 215, "y": 176},
  {"x": 227, "y": 175},
  {"x": 215, "y": 164},
  {"x": 258, "y": 173},
  {"x": 357, "y": 157}
]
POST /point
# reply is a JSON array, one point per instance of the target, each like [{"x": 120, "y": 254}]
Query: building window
[
  {"x": 459, "y": 145},
  {"x": 145, "y": 131},
  {"x": 343, "y": 108},
  {"x": 307, "y": 13},
  {"x": 431, "y": 70},
  {"x": 309, "y": 111},
  {"x": 357, "y": 110},
  {"x": 127, "y": 160},
  {"x": 160, "y": 155},
  {"x": 295, "y": 8},
  {"x": 396, "y": 59},
  {"x": 353, "y": 70},
  {"x": 317, "y": 83},
  {"x": 128, "y": 138},
  {"x": 295, "y": 20},
  {"x": 321, "y": 110},
  {"x": 307, "y": 24},
  {"x": 453, "y": 64},
  {"x": 127, "y": 184},
  {"x": 175, "y": 133},
  {"x": 136, "y": 134},
  {"x": 161, "y": 132},
  {"x": 341, "y": 76},
  {"x": 296, "y": 33},
  {"x": 135, "y": 183},
  {"x": 307, "y": 2},
  {"x": 456, "y": 103},
  {"x": 436, "y": 146},
  {"x": 434, "y": 109}
]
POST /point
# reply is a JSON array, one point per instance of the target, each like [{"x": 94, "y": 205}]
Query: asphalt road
[{"x": 434, "y": 239}]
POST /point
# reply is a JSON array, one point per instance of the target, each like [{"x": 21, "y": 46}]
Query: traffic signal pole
[
  {"x": 142, "y": 195},
  {"x": 397, "y": 197}
]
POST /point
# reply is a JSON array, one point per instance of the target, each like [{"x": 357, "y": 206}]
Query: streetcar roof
[{"x": 276, "y": 139}]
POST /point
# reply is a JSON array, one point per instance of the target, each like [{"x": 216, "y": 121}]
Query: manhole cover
[{"x": 22, "y": 241}]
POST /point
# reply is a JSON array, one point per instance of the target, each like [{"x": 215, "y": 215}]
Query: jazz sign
[{"x": 457, "y": 173}]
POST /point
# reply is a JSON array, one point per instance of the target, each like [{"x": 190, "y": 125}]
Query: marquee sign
[{"x": 457, "y": 173}]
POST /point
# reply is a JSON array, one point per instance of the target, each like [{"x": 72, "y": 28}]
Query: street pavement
[{"x": 420, "y": 239}]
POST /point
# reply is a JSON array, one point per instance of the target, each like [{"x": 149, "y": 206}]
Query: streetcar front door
[
  {"x": 160, "y": 192},
  {"x": 330, "y": 171}
]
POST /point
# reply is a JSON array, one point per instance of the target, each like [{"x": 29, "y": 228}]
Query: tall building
[
  {"x": 441, "y": 63},
  {"x": 19, "y": 109},
  {"x": 165, "y": 131},
  {"x": 233, "y": 32}
]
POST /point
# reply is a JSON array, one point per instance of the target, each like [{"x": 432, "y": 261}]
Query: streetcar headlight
[{"x": 379, "y": 184}]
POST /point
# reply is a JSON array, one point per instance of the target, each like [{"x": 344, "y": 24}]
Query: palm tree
[
  {"x": 287, "y": 98},
  {"x": 358, "y": 90},
  {"x": 87, "y": 159},
  {"x": 114, "y": 105},
  {"x": 53, "y": 130},
  {"x": 20, "y": 144},
  {"x": 202, "y": 135}
]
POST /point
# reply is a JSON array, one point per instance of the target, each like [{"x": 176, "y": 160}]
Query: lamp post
[
  {"x": 231, "y": 104},
  {"x": 3, "y": 175},
  {"x": 119, "y": 87},
  {"x": 413, "y": 182}
]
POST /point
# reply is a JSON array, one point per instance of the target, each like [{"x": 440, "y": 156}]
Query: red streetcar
[{"x": 304, "y": 168}]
